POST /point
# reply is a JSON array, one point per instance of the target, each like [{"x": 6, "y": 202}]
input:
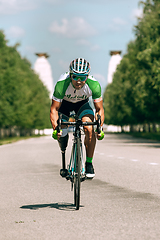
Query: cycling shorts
[{"x": 81, "y": 109}]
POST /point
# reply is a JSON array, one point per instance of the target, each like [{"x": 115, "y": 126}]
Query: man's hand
[
  {"x": 56, "y": 135},
  {"x": 100, "y": 135}
]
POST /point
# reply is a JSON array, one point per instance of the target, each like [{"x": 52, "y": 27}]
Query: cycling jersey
[{"x": 65, "y": 90}]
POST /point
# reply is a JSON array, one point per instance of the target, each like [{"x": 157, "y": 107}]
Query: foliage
[
  {"x": 24, "y": 99},
  {"x": 134, "y": 95}
]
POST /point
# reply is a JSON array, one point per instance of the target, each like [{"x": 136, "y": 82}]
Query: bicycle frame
[
  {"x": 77, "y": 133},
  {"x": 72, "y": 163},
  {"x": 76, "y": 170}
]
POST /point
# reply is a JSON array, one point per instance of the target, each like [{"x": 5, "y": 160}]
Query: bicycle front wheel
[{"x": 77, "y": 181}]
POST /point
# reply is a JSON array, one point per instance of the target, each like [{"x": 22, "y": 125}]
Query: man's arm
[
  {"x": 54, "y": 113},
  {"x": 100, "y": 110}
]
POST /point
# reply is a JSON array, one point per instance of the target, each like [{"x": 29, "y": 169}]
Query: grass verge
[{"x": 8, "y": 140}]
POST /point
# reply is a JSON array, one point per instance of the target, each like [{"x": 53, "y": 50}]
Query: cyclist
[{"x": 71, "y": 93}]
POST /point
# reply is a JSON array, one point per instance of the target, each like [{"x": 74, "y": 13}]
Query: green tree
[
  {"x": 24, "y": 99},
  {"x": 134, "y": 95}
]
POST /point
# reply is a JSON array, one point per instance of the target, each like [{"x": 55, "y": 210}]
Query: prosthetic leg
[{"x": 63, "y": 142}]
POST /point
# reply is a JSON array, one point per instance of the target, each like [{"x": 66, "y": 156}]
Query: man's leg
[
  {"x": 63, "y": 142},
  {"x": 89, "y": 142}
]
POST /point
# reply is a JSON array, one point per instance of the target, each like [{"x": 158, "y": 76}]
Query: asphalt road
[{"x": 121, "y": 202}]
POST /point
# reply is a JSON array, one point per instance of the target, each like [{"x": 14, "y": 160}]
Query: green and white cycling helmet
[{"x": 80, "y": 66}]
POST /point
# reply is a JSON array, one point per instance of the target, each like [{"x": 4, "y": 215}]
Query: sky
[{"x": 68, "y": 29}]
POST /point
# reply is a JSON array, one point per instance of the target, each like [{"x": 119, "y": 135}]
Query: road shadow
[
  {"x": 116, "y": 192},
  {"x": 59, "y": 206}
]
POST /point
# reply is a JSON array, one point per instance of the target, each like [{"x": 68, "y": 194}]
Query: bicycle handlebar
[{"x": 79, "y": 123}]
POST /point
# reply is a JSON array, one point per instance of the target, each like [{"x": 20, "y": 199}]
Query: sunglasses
[{"x": 82, "y": 78}]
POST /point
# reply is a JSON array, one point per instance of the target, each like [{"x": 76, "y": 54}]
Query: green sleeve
[
  {"x": 61, "y": 87},
  {"x": 95, "y": 88}
]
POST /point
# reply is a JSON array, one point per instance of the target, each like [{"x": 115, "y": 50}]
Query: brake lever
[
  {"x": 98, "y": 124},
  {"x": 59, "y": 121}
]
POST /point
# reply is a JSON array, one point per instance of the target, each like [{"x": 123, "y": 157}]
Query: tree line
[
  {"x": 134, "y": 95},
  {"x": 24, "y": 100}
]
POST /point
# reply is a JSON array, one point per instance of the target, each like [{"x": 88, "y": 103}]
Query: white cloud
[
  {"x": 86, "y": 43},
  {"x": 74, "y": 28},
  {"x": 119, "y": 21},
  {"x": 59, "y": 1},
  {"x": 95, "y": 47},
  {"x": 86, "y": 1},
  {"x": 83, "y": 42},
  {"x": 15, "y": 32},
  {"x": 14, "y": 6},
  {"x": 117, "y": 24},
  {"x": 137, "y": 13}
]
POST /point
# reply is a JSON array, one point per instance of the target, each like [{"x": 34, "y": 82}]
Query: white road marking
[{"x": 134, "y": 160}]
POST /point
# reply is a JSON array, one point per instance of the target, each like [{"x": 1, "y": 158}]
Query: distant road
[{"x": 121, "y": 203}]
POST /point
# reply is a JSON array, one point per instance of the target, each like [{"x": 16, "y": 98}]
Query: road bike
[{"x": 76, "y": 167}]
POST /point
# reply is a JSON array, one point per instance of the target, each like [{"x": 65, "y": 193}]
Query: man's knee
[
  {"x": 88, "y": 129},
  {"x": 89, "y": 132}
]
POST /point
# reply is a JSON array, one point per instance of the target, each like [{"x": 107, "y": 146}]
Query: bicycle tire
[{"x": 77, "y": 181}]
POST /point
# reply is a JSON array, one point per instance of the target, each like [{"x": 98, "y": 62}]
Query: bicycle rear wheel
[{"x": 77, "y": 181}]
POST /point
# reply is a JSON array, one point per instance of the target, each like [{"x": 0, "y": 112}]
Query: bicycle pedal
[
  {"x": 67, "y": 177},
  {"x": 63, "y": 172},
  {"x": 83, "y": 178}
]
